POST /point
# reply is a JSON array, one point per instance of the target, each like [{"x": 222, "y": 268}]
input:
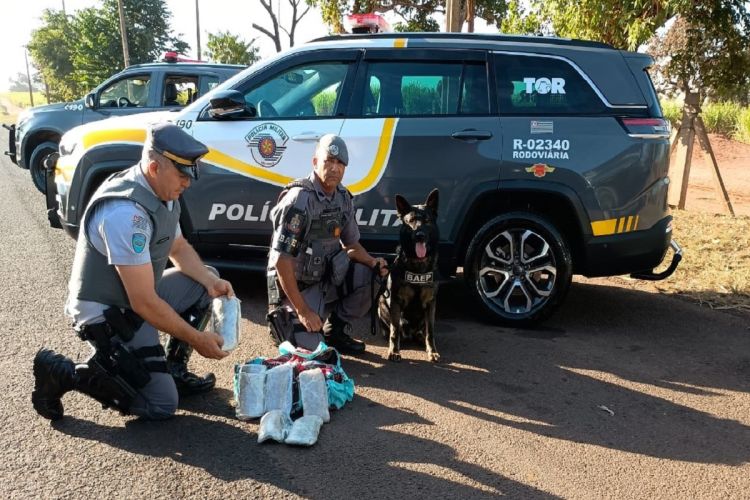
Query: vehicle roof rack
[{"x": 480, "y": 37}]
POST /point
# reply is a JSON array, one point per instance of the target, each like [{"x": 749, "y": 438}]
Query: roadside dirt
[{"x": 734, "y": 159}]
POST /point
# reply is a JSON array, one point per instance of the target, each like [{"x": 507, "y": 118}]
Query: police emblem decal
[
  {"x": 540, "y": 169},
  {"x": 267, "y": 143},
  {"x": 139, "y": 242},
  {"x": 295, "y": 224}
]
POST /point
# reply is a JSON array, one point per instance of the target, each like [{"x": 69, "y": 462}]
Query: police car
[
  {"x": 140, "y": 88},
  {"x": 550, "y": 155}
]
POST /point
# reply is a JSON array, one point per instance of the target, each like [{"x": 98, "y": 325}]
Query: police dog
[{"x": 407, "y": 308}]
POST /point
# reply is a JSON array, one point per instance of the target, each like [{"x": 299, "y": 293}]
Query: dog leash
[{"x": 375, "y": 297}]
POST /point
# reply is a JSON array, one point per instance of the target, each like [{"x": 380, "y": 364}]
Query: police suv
[
  {"x": 550, "y": 155},
  {"x": 140, "y": 88}
]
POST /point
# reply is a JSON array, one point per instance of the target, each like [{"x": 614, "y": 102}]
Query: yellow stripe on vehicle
[
  {"x": 615, "y": 226},
  {"x": 97, "y": 137},
  {"x": 399, "y": 43},
  {"x": 231, "y": 163},
  {"x": 604, "y": 227},
  {"x": 378, "y": 166}
]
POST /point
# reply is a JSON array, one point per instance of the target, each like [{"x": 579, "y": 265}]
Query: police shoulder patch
[{"x": 139, "y": 242}]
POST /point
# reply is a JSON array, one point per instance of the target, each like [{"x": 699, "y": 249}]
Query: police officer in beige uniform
[
  {"x": 120, "y": 293},
  {"x": 317, "y": 266}
]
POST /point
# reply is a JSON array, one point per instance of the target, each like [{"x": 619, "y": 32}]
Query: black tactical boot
[
  {"x": 178, "y": 354},
  {"x": 336, "y": 333},
  {"x": 94, "y": 381},
  {"x": 53, "y": 377}
]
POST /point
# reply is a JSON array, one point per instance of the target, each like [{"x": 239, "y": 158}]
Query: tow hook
[{"x": 652, "y": 276}]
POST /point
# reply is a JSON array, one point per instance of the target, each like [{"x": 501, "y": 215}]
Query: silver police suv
[{"x": 551, "y": 156}]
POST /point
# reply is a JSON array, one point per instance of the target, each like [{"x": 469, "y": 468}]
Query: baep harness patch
[{"x": 418, "y": 278}]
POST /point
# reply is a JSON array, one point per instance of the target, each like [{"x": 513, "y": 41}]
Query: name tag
[
  {"x": 418, "y": 279},
  {"x": 166, "y": 238}
]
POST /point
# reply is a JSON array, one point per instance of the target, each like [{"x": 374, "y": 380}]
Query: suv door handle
[
  {"x": 307, "y": 137},
  {"x": 472, "y": 135}
]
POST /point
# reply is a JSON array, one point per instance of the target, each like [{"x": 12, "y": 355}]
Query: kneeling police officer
[
  {"x": 120, "y": 293},
  {"x": 317, "y": 267}
]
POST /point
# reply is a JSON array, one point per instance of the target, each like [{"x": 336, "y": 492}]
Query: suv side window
[
  {"x": 131, "y": 92},
  {"x": 533, "y": 85},
  {"x": 308, "y": 90},
  {"x": 179, "y": 90},
  {"x": 402, "y": 88}
]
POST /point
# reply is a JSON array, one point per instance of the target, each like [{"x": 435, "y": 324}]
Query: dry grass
[{"x": 715, "y": 269}]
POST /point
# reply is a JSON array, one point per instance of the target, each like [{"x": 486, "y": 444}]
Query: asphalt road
[{"x": 507, "y": 412}]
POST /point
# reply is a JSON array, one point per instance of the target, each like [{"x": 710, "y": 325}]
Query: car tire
[
  {"x": 518, "y": 269},
  {"x": 36, "y": 164}
]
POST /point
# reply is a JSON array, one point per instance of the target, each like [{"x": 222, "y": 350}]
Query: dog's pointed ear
[
  {"x": 432, "y": 201},
  {"x": 403, "y": 207}
]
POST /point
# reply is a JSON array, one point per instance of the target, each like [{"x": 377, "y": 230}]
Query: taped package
[
  {"x": 304, "y": 431},
  {"x": 274, "y": 425},
  {"x": 314, "y": 394},
  {"x": 278, "y": 391},
  {"x": 225, "y": 319},
  {"x": 251, "y": 381}
]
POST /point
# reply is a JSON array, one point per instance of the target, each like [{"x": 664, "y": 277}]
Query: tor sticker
[
  {"x": 544, "y": 85},
  {"x": 267, "y": 143},
  {"x": 540, "y": 169}
]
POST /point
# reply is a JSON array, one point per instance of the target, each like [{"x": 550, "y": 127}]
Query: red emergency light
[
  {"x": 367, "y": 23},
  {"x": 171, "y": 57}
]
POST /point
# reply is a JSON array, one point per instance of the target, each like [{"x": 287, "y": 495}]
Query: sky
[{"x": 236, "y": 16}]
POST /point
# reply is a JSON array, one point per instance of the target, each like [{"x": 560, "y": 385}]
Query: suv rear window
[{"x": 532, "y": 85}]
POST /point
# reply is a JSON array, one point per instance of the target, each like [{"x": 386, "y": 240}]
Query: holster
[
  {"x": 116, "y": 359},
  {"x": 281, "y": 325}
]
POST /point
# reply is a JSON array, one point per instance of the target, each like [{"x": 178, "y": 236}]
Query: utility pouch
[
  {"x": 122, "y": 324},
  {"x": 315, "y": 264},
  {"x": 274, "y": 292},
  {"x": 338, "y": 266},
  {"x": 130, "y": 367}
]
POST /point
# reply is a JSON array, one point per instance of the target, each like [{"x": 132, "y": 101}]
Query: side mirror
[
  {"x": 90, "y": 100},
  {"x": 230, "y": 105}
]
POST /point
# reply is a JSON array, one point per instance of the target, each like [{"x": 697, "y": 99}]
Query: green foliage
[
  {"x": 721, "y": 117},
  {"x": 417, "y": 14},
  {"x": 50, "y": 48},
  {"x": 418, "y": 99},
  {"x": 743, "y": 126},
  {"x": 324, "y": 103},
  {"x": 726, "y": 118},
  {"x": 231, "y": 49},
  {"x": 21, "y": 99},
  {"x": 706, "y": 51},
  {"x": 521, "y": 20},
  {"x": 77, "y": 52},
  {"x": 672, "y": 111}
]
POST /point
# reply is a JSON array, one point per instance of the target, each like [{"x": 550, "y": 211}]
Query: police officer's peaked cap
[
  {"x": 334, "y": 146},
  {"x": 174, "y": 143}
]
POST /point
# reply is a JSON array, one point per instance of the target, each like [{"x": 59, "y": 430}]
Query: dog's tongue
[{"x": 421, "y": 250}]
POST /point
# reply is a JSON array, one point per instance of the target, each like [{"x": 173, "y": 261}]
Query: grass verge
[{"x": 715, "y": 269}]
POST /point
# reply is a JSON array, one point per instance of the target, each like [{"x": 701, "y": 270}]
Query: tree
[
  {"x": 231, "y": 49},
  {"x": 275, "y": 36},
  {"x": 416, "y": 14},
  {"x": 50, "y": 48},
  {"x": 75, "y": 53},
  {"x": 706, "y": 51},
  {"x": 20, "y": 82}
]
